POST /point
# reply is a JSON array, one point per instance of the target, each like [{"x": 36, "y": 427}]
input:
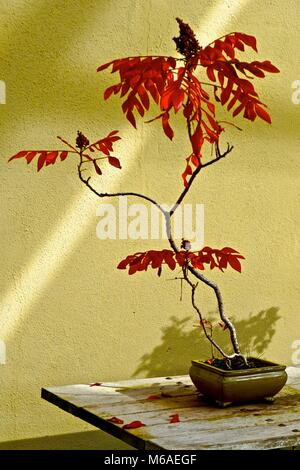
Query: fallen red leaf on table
[
  {"x": 115, "y": 420},
  {"x": 174, "y": 418},
  {"x": 133, "y": 425},
  {"x": 153, "y": 397}
]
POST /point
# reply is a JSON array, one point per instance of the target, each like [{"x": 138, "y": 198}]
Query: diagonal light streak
[{"x": 55, "y": 250}]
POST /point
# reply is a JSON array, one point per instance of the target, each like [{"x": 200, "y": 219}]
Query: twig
[{"x": 208, "y": 336}]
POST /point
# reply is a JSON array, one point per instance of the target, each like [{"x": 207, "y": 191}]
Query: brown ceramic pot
[{"x": 224, "y": 387}]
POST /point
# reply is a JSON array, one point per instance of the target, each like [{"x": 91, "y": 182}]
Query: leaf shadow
[{"x": 179, "y": 343}]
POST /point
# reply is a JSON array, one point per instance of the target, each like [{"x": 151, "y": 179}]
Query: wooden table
[{"x": 201, "y": 426}]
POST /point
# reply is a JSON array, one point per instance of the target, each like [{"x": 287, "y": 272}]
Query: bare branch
[
  {"x": 102, "y": 195},
  {"x": 212, "y": 285},
  {"x": 208, "y": 336},
  {"x": 68, "y": 144},
  {"x": 219, "y": 155}
]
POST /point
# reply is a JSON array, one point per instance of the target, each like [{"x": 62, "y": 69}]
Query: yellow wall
[{"x": 67, "y": 315}]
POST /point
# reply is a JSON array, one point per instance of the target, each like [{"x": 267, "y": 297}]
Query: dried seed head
[
  {"x": 81, "y": 141},
  {"x": 186, "y": 43},
  {"x": 186, "y": 245}
]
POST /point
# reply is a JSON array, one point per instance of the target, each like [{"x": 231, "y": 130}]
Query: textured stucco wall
[{"x": 67, "y": 315}]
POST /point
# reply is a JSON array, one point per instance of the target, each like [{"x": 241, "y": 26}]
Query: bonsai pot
[{"x": 225, "y": 387}]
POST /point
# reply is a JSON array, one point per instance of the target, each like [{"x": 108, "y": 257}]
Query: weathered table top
[{"x": 154, "y": 402}]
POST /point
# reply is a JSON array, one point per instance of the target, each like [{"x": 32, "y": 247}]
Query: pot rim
[{"x": 267, "y": 366}]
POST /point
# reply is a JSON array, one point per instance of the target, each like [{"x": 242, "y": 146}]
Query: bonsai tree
[{"x": 183, "y": 84}]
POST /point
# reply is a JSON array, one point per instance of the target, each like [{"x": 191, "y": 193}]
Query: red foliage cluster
[
  {"x": 222, "y": 66},
  {"x": 214, "y": 258},
  {"x": 50, "y": 157},
  {"x": 158, "y": 78},
  {"x": 174, "y": 85},
  {"x": 46, "y": 157}
]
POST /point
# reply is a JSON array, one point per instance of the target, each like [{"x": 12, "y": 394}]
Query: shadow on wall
[{"x": 254, "y": 333}]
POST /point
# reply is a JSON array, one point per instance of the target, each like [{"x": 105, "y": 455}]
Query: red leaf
[
  {"x": 225, "y": 94},
  {"x": 19, "y": 155},
  {"x": 103, "y": 147},
  {"x": 212, "y": 136},
  {"x": 197, "y": 140},
  {"x": 115, "y": 420},
  {"x": 157, "y": 258},
  {"x": 250, "y": 111},
  {"x": 210, "y": 73},
  {"x": 267, "y": 66},
  {"x": 166, "y": 126},
  {"x": 234, "y": 263},
  {"x": 227, "y": 249},
  {"x": 63, "y": 155},
  {"x": 248, "y": 40},
  {"x": 131, "y": 118},
  {"x": 188, "y": 171},
  {"x": 223, "y": 262},
  {"x": 109, "y": 91},
  {"x": 177, "y": 99},
  {"x": 144, "y": 97},
  {"x": 150, "y": 86},
  {"x": 238, "y": 44},
  {"x": 174, "y": 418},
  {"x": 255, "y": 70},
  {"x": 262, "y": 113},
  {"x": 221, "y": 78},
  {"x": 138, "y": 106},
  {"x": 169, "y": 260},
  {"x": 165, "y": 102},
  {"x": 210, "y": 361},
  {"x": 114, "y": 162},
  {"x": 104, "y": 66},
  {"x": 133, "y": 425},
  {"x": 238, "y": 109},
  {"x": 133, "y": 269},
  {"x": 195, "y": 160},
  {"x": 213, "y": 123},
  {"x": 96, "y": 384},
  {"x": 181, "y": 257},
  {"x": 228, "y": 49},
  {"x": 247, "y": 87},
  {"x": 153, "y": 397},
  {"x": 237, "y": 94},
  {"x": 51, "y": 158},
  {"x": 41, "y": 160},
  {"x": 124, "y": 263},
  {"x": 113, "y": 133},
  {"x": 30, "y": 156},
  {"x": 97, "y": 168}
]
